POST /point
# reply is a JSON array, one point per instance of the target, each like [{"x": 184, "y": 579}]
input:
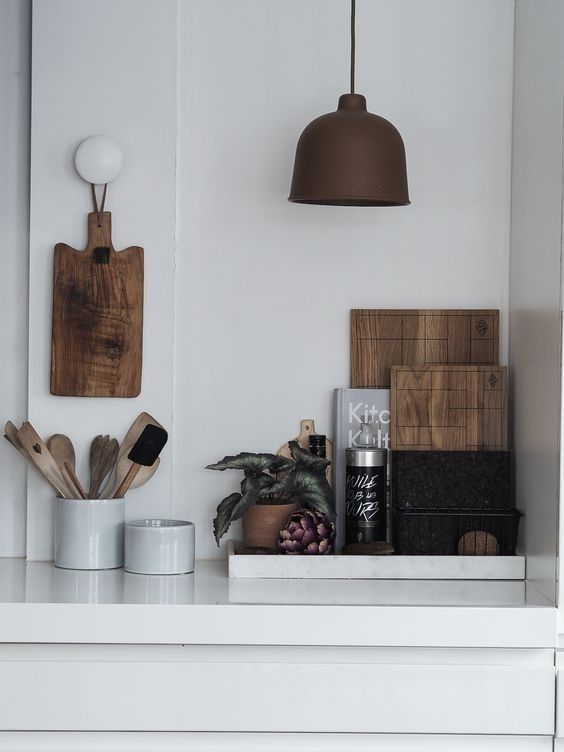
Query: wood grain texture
[
  {"x": 381, "y": 338},
  {"x": 449, "y": 407},
  {"x": 97, "y": 344}
]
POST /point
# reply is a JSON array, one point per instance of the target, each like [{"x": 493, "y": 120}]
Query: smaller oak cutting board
[
  {"x": 449, "y": 407},
  {"x": 381, "y": 338},
  {"x": 97, "y": 344}
]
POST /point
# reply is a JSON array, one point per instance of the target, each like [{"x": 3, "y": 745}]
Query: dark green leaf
[
  {"x": 282, "y": 464},
  {"x": 234, "y": 506},
  {"x": 253, "y": 485},
  {"x": 313, "y": 489},
  {"x": 224, "y": 516},
  {"x": 248, "y": 462},
  {"x": 307, "y": 459},
  {"x": 276, "y": 488}
]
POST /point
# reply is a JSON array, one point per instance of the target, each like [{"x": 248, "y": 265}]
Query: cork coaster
[{"x": 477, "y": 543}]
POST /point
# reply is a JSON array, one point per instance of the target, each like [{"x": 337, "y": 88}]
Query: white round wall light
[{"x": 98, "y": 159}]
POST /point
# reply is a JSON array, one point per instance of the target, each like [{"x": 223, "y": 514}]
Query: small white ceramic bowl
[
  {"x": 89, "y": 533},
  {"x": 159, "y": 546}
]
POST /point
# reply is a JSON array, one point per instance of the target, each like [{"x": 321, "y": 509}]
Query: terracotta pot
[{"x": 263, "y": 522}]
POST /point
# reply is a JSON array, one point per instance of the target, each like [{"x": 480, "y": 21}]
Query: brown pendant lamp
[{"x": 350, "y": 157}]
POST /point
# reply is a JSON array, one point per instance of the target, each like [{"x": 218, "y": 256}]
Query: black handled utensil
[{"x": 143, "y": 453}]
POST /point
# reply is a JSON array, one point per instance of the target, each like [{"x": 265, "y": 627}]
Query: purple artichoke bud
[{"x": 307, "y": 532}]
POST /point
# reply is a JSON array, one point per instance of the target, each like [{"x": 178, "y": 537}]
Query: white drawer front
[
  {"x": 284, "y": 692},
  {"x": 69, "y": 741}
]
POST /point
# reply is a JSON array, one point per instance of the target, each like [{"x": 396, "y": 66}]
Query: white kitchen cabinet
[{"x": 420, "y": 658}]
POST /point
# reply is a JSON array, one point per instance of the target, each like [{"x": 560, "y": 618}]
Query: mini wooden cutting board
[
  {"x": 449, "y": 407},
  {"x": 97, "y": 345},
  {"x": 381, "y": 338},
  {"x": 307, "y": 429}
]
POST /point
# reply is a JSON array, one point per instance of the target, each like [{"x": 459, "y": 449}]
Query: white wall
[
  {"x": 104, "y": 67},
  {"x": 535, "y": 320},
  {"x": 14, "y": 238},
  {"x": 263, "y": 288}
]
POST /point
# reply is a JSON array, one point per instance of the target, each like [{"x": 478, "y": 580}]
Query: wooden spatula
[
  {"x": 123, "y": 464},
  {"x": 145, "y": 472},
  {"x": 143, "y": 454},
  {"x": 11, "y": 434},
  {"x": 43, "y": 459},
  {"x": 103, "y": 456}
]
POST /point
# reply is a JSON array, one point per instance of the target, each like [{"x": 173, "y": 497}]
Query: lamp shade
[{"x": 350, "y": 158}]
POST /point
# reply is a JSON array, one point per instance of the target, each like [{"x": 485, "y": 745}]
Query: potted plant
[{"x": 272, "y": 488}]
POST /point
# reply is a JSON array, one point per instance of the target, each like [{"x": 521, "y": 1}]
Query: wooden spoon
[
  {"x": 62, "y": 450},
  {"x": 123, "y": 464},
  {"x": 103, "y": 457}
]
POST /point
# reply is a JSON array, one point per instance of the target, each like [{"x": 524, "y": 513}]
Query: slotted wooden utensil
[
  {"x": 144, "y": 453},
  {"x": 11, "y": 435},
  {"x": 103, "y": 455},
  {"x": 42, "y": 458},
  {"x": 123, "y": 463}
]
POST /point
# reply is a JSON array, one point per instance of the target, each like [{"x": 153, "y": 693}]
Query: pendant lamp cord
[{"x": 353, "y": 42}]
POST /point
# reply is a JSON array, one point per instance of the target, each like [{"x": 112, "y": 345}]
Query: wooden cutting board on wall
[
  {"x": 381, "y": 338},
  {"x": 97, "y": 343},
  {"x": 449, "y": 407}
]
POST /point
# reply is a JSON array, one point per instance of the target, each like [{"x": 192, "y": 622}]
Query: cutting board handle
[
  {"x": 99, "y": 231},
  {"x": 307, "y": 428}
]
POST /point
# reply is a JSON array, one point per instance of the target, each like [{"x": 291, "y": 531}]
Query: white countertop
[{"x": 40, "y": 603}]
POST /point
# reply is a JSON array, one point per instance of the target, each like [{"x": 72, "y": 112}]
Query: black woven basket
[{"x": 448, "y": 532}]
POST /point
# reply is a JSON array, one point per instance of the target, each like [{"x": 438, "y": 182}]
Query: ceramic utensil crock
[{"x": 89, "y": 533}]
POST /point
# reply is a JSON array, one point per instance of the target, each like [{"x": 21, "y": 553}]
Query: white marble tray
[{"x": 376, "y": 567}]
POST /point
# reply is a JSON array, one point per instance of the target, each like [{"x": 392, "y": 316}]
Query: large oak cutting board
[
  {"x": 449, "y": 407},
  {"x": 381, "y": 338},
  {"x": 97, "y": 345}
]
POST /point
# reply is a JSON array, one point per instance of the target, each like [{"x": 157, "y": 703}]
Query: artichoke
[{"x": 307, "y": 532}]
